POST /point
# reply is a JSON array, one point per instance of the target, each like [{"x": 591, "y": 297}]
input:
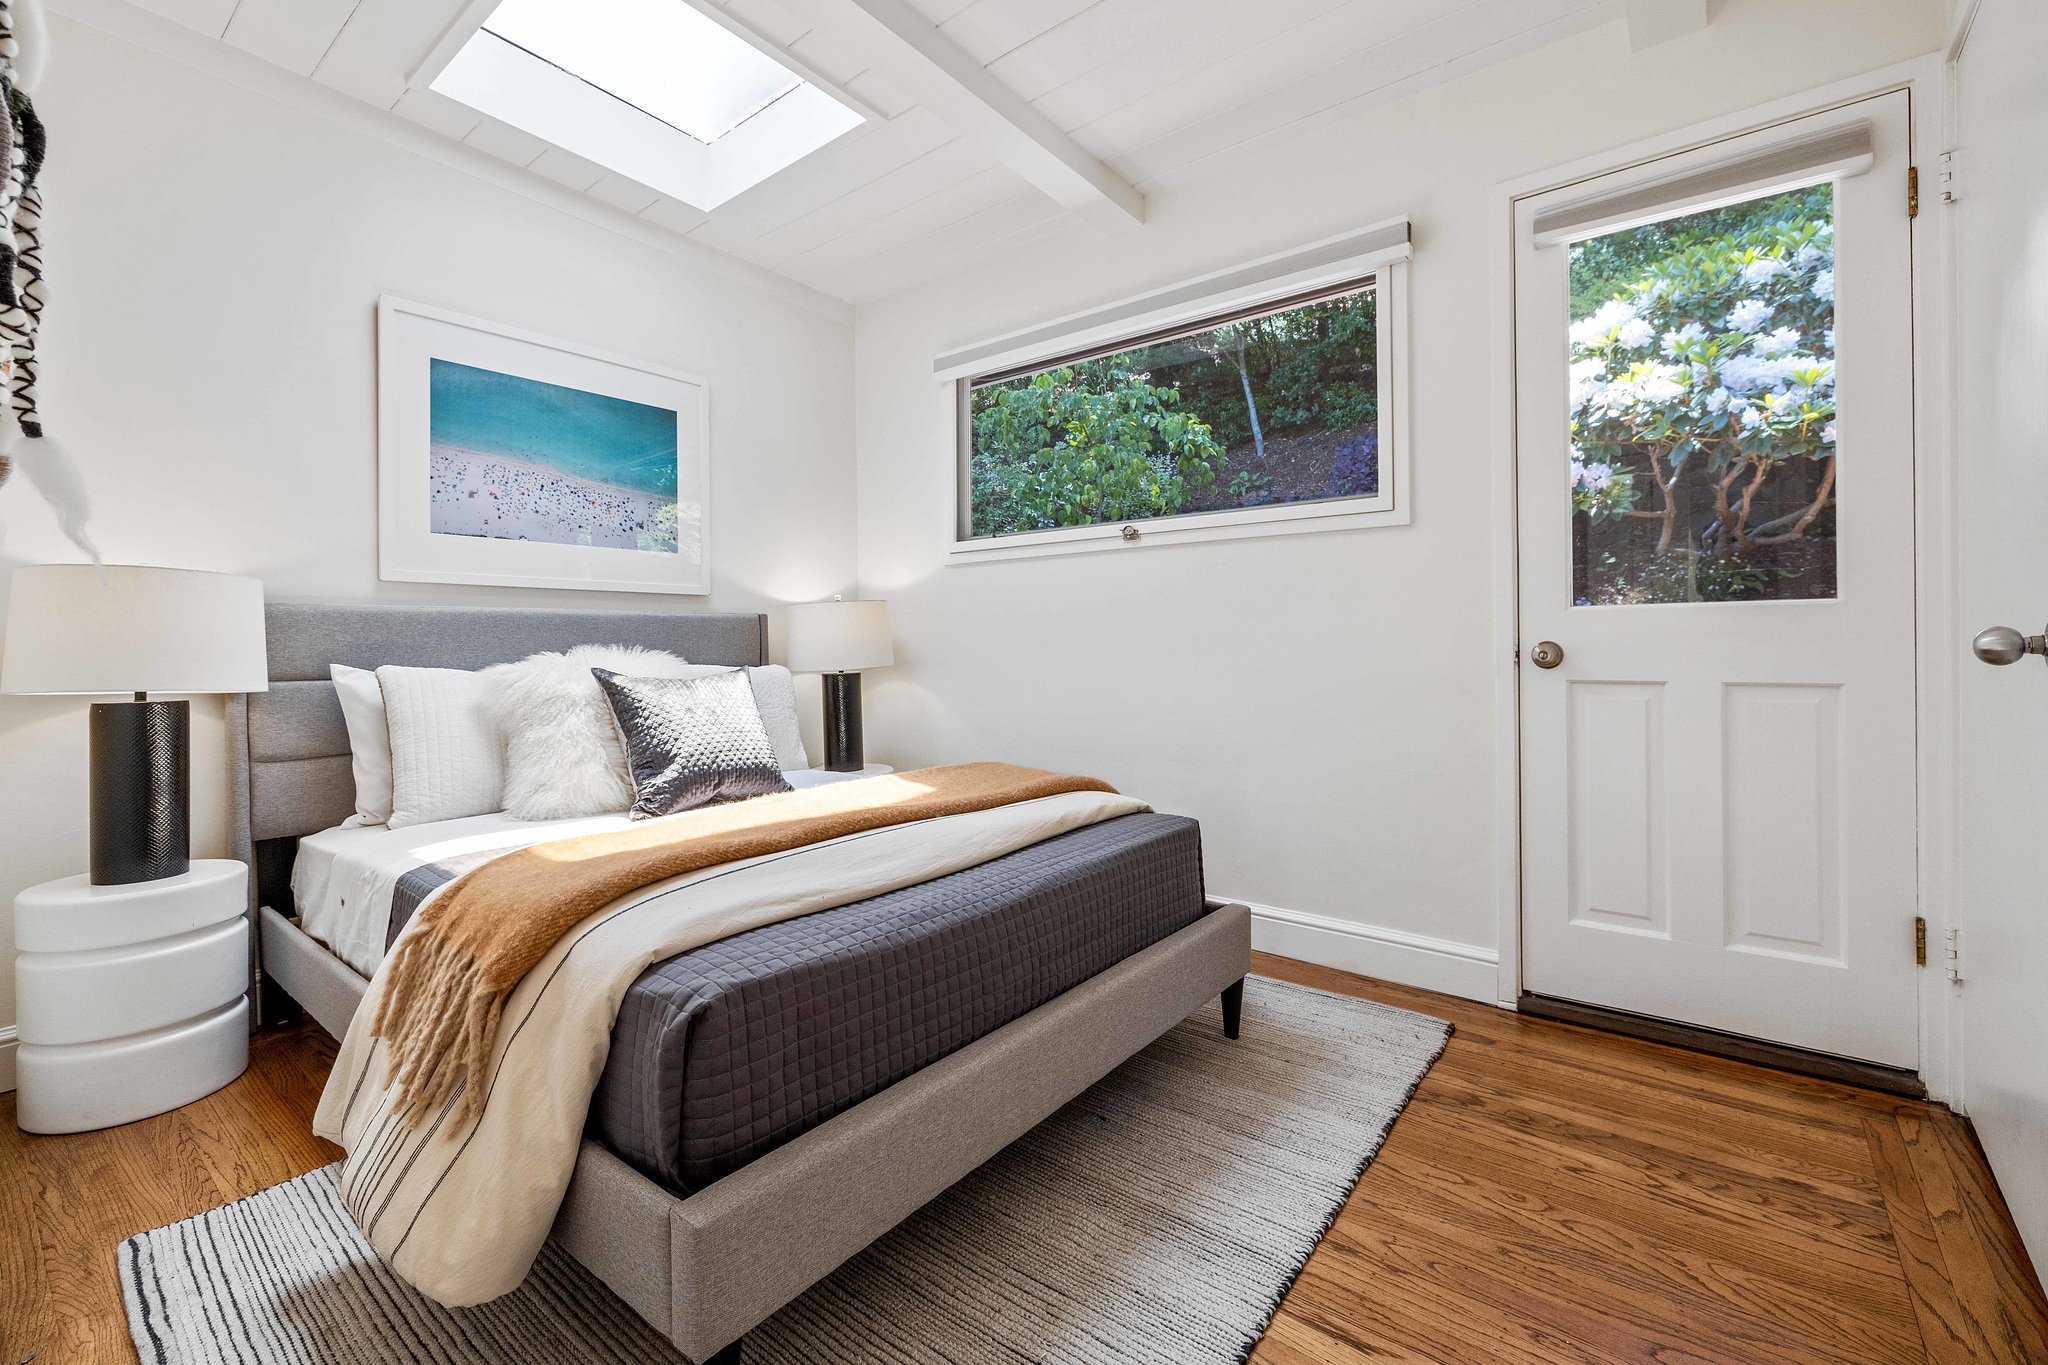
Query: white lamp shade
[
  {"x": 77, "y": 628},
  {"x": 839, "y": 637}
]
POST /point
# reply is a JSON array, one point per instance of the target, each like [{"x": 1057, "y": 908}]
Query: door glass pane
[{"x": 1703, "y": 406}]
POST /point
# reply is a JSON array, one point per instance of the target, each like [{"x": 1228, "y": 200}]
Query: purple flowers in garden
[{"x": 1355, "y": 473}]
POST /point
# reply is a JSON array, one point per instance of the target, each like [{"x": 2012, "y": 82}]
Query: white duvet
[{"x": 343, "y": 879}]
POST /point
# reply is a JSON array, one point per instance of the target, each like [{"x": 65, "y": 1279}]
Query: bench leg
[{"x": 1233, "y": 1007}]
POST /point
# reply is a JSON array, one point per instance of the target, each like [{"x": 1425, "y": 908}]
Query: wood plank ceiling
[{"x": 1151, "y": 88}]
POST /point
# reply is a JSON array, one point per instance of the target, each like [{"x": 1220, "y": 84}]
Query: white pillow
[
  {"x": 562, "y": 752},
  {"x": 369, "y": 743},
  {"x": 447, "y": 760},
  {"x": 775, "y": 698}
]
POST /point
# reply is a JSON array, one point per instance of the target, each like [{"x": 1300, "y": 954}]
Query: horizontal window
[{"x": 1235, "y": 417}]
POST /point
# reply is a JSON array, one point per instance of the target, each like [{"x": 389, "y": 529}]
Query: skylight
[
  {"x": 659, "y": 56},
  {"x": 653, "y": 89}
]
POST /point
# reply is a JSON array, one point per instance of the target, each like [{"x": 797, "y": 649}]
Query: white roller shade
[
  {"x": 1321, "y": 263},
  {"x": 1839, "y": 152}
]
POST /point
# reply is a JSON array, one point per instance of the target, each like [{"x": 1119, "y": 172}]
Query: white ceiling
[{"x": 980, "y": 125}]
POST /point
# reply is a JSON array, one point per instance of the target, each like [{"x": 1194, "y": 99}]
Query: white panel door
[{"x": 1715, "y": 482}]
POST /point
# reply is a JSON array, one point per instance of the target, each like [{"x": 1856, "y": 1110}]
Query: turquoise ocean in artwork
[
  {"x": 588, "y": 435},
  {"x": 518, "y": 459}
]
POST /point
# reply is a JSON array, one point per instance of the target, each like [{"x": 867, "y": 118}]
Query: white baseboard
[{"x": 1433, "y": 964}]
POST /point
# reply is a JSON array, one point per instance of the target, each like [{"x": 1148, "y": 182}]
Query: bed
[{"x": 774, "y": 1101}]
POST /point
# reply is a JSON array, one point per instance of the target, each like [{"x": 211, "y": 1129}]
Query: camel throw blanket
[{"x": 463, "y": 1086}]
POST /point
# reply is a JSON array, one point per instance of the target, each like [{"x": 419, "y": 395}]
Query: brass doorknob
[{"x": 1547, "y": 654}]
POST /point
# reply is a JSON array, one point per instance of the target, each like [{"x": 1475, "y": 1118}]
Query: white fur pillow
[{"x": 562, "y": 752}]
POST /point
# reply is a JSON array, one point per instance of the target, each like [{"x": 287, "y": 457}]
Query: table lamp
[
  {"x": 839, "y": 639},
  {"x": 83, "y": 629}
]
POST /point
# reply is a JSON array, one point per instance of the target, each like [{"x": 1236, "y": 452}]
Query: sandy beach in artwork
[{"x": 480, "y": 494}]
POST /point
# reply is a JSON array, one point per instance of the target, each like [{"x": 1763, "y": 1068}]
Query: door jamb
[{"x": 1927, "y": 78}]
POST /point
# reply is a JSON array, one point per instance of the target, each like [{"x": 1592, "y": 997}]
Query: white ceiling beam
[
  {"x": 295, "y": 34},
  {"x": 940, "y": 74},
  {"x": 1651, "y": 22}
]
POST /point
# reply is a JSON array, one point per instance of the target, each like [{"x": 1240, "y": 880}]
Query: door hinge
[
  {"x": 1955, "y": 956},
  {"x": 1920, "y": 940},
  {"x": 1912, "y": 191}
]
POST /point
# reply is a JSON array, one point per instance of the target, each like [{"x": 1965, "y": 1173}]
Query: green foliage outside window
[
  {"x": 1282, "y": 408},
  {"x": 1060, "y": 450}
]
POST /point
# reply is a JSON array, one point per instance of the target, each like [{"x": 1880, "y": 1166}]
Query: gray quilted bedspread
[
  {"x": 721, "y": 1054},
  {"x": 726, "y": 1052}
]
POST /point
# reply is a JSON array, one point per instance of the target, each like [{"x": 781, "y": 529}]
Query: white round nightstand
[{"x": 132, "y": 999}]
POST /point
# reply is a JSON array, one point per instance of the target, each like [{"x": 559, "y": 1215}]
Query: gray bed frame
[{"x": 706, "y": 1268}]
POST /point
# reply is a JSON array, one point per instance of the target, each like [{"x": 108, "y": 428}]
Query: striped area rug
[{"x": 1156, "y": 1220}]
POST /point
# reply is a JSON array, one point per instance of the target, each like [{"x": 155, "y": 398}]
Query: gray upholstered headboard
[{"x": 288, "y": 749}]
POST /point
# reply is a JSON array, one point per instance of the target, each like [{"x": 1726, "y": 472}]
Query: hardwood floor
[
  {"x": 67, "y": 1202},
  {"x": 1551, "y": 1195},
  {"x": 1556, "y": 1194}
]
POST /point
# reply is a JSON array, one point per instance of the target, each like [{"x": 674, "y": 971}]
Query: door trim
[{"x": 1926, "y": 78}]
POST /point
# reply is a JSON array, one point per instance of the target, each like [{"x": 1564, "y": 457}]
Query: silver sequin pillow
[{"x": 691, "y": 742}]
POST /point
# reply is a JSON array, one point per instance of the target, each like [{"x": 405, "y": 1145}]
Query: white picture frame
[{"x": 525, "y": 540}]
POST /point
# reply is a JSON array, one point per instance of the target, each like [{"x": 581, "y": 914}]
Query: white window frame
[{"x": 1378, "y": 253}]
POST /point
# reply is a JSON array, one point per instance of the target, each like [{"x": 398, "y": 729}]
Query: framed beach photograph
[{"x": 507, "y": 457}]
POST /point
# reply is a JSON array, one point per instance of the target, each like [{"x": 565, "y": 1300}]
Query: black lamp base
[
  {"x": 141, "y": 791},
  {"x": 842, "y": 723}
]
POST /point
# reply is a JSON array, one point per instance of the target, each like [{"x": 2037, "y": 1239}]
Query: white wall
[
  {"x": 1325, "y": 704},
  {"x": 215, "y": 257},
  {"x": 2002, "y": 216}
]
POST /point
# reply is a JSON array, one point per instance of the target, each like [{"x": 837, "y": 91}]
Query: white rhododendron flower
[
  {"x": 1761, "y": 269},
  {"x": 1635, "y": 334},
  {"x": 1717, "y": 401},
  {"x": 1752, "y": 417},
  {"x": 1660, "y": 384},
  {"x": 1751, "y": 374},
  {"x": 1824, "y": 287},
  {"x": 1687, "y": 335},
  {"x": 1807, "y": 255},
  {"x": 1827, "y": 433},
  {"x": 1749, "y": 315},
  {"x": 1748, "y": 373},
  {"x": 1779, "y": 342},
  {"x": 1591, "y": 477},
  {"x": 1586, "y": 380},
  {"x": 1611, "y": 315}
]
